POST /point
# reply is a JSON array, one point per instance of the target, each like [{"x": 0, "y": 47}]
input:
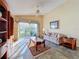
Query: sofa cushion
[{"x": 53, "y": 37}]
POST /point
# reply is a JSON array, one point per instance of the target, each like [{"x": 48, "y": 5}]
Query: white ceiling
[{"x": 28, "y": 7}]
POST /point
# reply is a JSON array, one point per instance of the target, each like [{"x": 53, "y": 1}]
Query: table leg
[
  {"x": 36, "y": 47},
  {"x": 44, "y": 43}
]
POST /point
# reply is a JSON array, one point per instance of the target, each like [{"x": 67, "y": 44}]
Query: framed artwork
[{"x": 54, "y": 24}]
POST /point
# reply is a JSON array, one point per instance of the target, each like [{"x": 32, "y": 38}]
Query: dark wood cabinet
[
  {"x": 7, "y": 16},
  {"x": 3, "y": 32},
  {"x": 6, "y": 26},
  {"x": 68, "y": 42}
]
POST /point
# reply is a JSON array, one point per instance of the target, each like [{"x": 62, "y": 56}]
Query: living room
[{"x": 56, "y": 21}]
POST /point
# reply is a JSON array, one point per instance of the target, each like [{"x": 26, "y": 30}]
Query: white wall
[{"x": 68, "y": 16}]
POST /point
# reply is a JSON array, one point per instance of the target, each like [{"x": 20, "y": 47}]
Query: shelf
[
  {"x": 2, "y": 32},
  {"x": 2, "y": 19}
]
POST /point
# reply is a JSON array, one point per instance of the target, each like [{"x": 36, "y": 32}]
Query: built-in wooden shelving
[{"x": 6, "y": 27}]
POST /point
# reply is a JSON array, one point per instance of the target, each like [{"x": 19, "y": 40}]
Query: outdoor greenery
[{"x": 26, "y": 29}]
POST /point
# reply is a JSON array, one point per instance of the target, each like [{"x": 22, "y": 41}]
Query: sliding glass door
[{"x": 27, "y": 29}]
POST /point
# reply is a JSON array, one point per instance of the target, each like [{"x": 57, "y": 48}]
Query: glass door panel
[
  {"x": 27, "y": 29},
  {"x": 34, "y": 29}
]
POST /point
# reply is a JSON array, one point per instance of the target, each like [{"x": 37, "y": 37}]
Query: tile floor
[{"x": 56, "y": 52}]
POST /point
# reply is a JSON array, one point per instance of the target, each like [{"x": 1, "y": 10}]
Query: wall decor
[{"x": 54, "y": 24}]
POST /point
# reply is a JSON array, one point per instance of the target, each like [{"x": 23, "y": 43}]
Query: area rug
[
  {"x": 59, "y": 53},
  {"x": 52, "y": 54},
  {"x": 40, "y": 50}
]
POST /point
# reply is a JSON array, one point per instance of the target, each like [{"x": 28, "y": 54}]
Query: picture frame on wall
[{"x": 54, "y": 24}]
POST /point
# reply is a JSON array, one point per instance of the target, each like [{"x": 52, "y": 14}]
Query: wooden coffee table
[{"x": 38, "y": 42}]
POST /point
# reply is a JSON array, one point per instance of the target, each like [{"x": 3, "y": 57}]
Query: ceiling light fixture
[{"x": 37, "y": 10}]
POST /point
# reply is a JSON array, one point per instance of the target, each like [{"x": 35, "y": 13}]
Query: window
[{"x": 27, "y": 29}]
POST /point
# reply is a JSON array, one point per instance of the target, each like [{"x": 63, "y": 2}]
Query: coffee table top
[{"x": 37, "y": 39}]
